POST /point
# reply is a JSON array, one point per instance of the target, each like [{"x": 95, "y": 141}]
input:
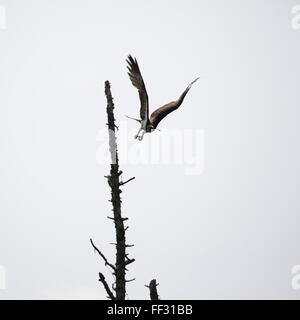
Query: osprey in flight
[{"x": 150, "y": 124}]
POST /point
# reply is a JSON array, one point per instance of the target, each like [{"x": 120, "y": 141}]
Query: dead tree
[{"x": 122, "y": 260}]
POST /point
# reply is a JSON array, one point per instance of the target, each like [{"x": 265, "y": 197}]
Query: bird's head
[{"x": 150, "y": 128}]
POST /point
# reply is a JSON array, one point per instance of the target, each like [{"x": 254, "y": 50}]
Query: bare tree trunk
[
  {"x": 122, "y": 259},
  {"x": 115, "y": 199},
  {"x": 114, "y": 182}
]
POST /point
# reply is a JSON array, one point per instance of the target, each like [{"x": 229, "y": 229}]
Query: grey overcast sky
[{"x": 231, "y": 231}]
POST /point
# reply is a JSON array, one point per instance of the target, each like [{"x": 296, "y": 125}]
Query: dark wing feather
[
  {"x": 163, "y": 111},
  {"x": 137, "y": 81}
]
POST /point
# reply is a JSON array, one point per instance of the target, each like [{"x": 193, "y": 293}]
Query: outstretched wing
[
  {"x": 137, "y": 81},
  {"x": 163, "y": 111}
]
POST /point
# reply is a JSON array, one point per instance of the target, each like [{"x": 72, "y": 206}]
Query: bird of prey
[{"x": 150, "y": 124}]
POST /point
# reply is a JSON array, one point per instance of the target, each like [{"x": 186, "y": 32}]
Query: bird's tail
[{"x": 138, "y": 120}]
